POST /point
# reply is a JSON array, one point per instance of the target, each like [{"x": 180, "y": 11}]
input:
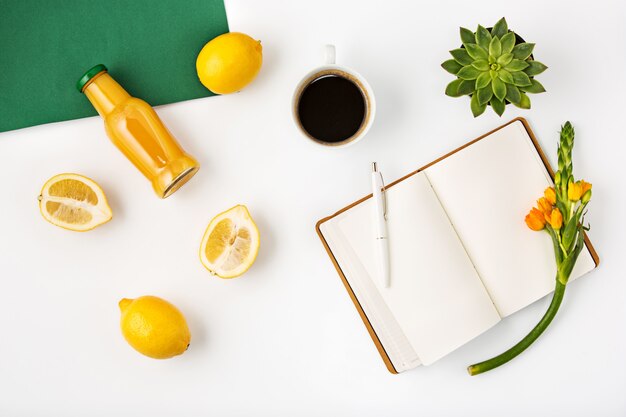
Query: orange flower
[
  {"x": 585, "y": 185},
  {"x": 550, "y": 195},
  {"x": 535, "y": 219},
  {"x": 556, "y": 219},
  {"x": 574, "y": 191},
  {"x": 544, "y": 205}
]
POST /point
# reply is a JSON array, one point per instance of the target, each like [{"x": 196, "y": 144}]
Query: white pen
[{"x": 380, "y": 212}]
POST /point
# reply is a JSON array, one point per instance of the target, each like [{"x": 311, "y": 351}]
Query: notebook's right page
[{"x": 487, "y": 189}]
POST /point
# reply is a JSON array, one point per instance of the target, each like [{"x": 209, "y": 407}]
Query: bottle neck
[{"x": 105, "y": 93}]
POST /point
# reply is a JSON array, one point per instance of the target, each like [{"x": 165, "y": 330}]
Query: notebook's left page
[{"x": 436, "y": 297}]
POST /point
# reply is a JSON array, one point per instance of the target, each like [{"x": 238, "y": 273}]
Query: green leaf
[
  {"x": 520, "y": 79},
  {"x": 493, "y": 74},
  {"x": 469, "y": 73},
  {"x": 483, "y": 37},
  {"x": 467, "y": 87},
  {"x": 569, "y": 232},
  {"x": 481, "y": 65},
  {"x": 467, "y": 36},
  {"x": 495, "y": 47},
  {"x": 505, "y": 59},
  {"x": 484, "y": 95},
  {"x": 516, "y": 65},
  {"x": 500, "y": 28},
  {"x": 523, "y": 50},
  {"x": 508, "y": 42},
  {"x": 477, "y": 108},
  {"x": 498, "y": 106},
  {"x": 534, "y": 68},
  {"x": 451, "y": 66},
  {"x": 505, "y": 76},
  {"x": 513, "y": 94},
  {"x": 476, "y": 51},
  {"x": 452, "y": 89},
  {"x": 499, "y": 88},
  {"x": 483, "y": 80},
  {"x": 535, "y": 87},
  {"x": 461, "y": 56},
  {"x": 524, "y": 102}
]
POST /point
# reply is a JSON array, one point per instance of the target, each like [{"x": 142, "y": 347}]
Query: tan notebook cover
[{"x": 356, "y": 302}]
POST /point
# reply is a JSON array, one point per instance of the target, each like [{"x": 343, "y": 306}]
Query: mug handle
[{"x": 329, "y": 54}]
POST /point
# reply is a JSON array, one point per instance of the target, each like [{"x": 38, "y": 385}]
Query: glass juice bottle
[{"x": 135, "y": 128}]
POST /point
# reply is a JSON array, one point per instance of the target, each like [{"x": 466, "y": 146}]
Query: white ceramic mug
[{"x": 330, "y": 68}]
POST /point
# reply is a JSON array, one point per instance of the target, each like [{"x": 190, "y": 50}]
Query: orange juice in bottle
[{"x": 135, "y": 128}]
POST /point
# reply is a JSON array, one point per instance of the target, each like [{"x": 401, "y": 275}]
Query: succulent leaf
[
  {"x": 493, "y": 74},
  {"x": 520, "y": 79},
  {"x": 505, "y": 76},
  {"x": 451, "y": 66},
  {"x": 476, "y": 51},
  {"x": 483, "y": 37},
  {"x": 499, "y": 88},
  {"x": 524, "y": 102},
  {"x": 467, "y": 87},
  {"x": 535, "y": 87},
  {"x": 523, "y": 50},
  {"x": 484, "y": 94},
  {"x": 452, "y": 89},
  {"x": 534, "y": 68},
  {"x": 481, "y": 65},
  {"x": 467, "y": 36},
  {"x": 469, "y": 73},
  {"x": 477, "y": 108},
  {"x": 500, "y": 28},
  {"x": 513, "y": 94},
  {"x": 516, "y": 65},
  {"x": 508, "y": 42},
  {"x": 483, "y": 80},
  {"x": 461, "y": 56},
  {"x": 505, "y": 59},
  {"x": 497, "y": 105},
  {"x": 495, "y": 47}
]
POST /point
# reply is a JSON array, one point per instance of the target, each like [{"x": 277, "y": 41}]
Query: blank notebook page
[
  {"x": 487, "y": 189},
  {"x": 435, "y": 294}
]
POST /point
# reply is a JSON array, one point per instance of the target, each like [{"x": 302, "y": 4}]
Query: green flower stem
[{"x": 523, "y": 344}]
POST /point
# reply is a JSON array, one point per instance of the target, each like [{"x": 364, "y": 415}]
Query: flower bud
[
  {"x": 556, "y": 219},
  {"x": 544, "y": 205},
  {"x": 535, "y": 219},
  {"x": 550, "y": 195},
  {"x": 585, "y": 186},
  {"x": 574, "y": 191},
  {"x": 586, "y": 197}
]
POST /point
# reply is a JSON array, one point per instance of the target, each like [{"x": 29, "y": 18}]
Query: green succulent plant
[{"x": 493, "y": 69}]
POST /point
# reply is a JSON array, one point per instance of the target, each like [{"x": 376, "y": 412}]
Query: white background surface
[{"x": 285, "y": 339}]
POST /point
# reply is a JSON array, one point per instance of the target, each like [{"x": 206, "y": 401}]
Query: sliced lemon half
[
  {"x": 74, "y": 202},
  {"x": 230, "y": 243}
]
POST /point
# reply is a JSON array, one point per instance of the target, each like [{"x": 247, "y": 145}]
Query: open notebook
[{"x": 461, "y": 255}]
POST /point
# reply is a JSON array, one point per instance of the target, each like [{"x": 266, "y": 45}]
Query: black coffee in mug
[{"x": 332, "y": 108}]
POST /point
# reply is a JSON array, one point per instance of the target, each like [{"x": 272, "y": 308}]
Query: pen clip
[
  {"x": 384, "y": 188},
  {"x": 384, "y": 194}
]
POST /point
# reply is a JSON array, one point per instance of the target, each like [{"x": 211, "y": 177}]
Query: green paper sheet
[{"x": 149, "y": 47}]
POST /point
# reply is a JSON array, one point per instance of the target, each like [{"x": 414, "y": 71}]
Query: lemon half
[
  {"x": 230, "y": 243},
  {"x": 74, "y": 202}
]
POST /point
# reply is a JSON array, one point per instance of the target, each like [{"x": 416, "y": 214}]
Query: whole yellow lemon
[
  {"x": 229, "y": 62},
  {"x": 154, "y": 327}
]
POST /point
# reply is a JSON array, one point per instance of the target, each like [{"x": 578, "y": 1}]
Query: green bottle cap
[{"x": 89, "y": 75}]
